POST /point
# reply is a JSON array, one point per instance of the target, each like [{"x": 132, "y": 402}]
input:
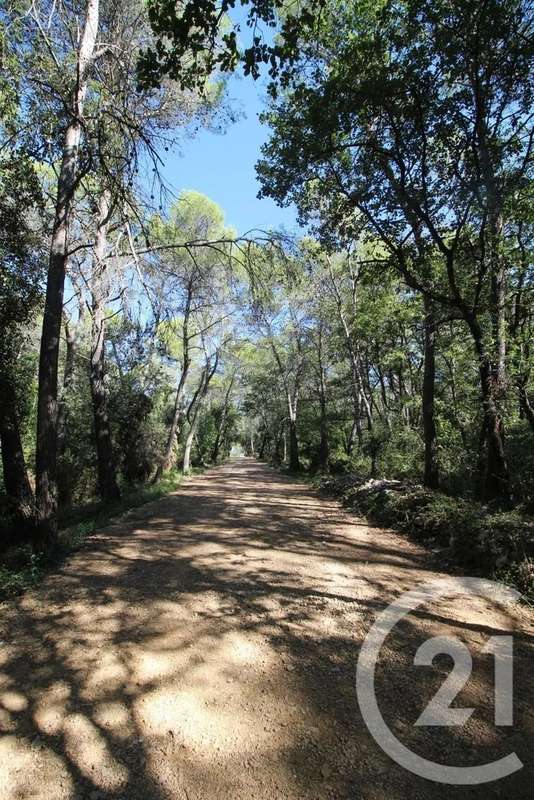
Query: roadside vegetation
[
  {"x": 461, "y": 534},
  {"x": 22, "y": 567}
]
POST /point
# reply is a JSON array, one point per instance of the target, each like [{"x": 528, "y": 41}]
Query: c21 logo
[{"x": 438, "y": 711}]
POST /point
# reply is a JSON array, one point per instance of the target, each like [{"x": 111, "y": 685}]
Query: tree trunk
[
  {"x": 46, "y": 450},
  {"x": 292, "y": 398},
  {"x": 359, "y": 397},
  {"x": 168, "y": 455},
  {"x": 107, "y": 478},
  {"x": 323, "y": 444},
  {"x": 323, "y": 425},
  {"x": 324, "y": 449},
  {"x": 263, "y": 444},
  {"x": 431, "y": 476},
  {"x": 294, "y": 458},
  {"x": 355, "y": 433},
  {"x": 525, "y": 405},
  {"x": 492, "y": 366},
  {"x": 279, "y": 445},
  {"x": 65, "y": 476},
  {"x": 216, "y": 447},
  {"x": 167, "y": 460},
  {"x": 459, "y": 423},
  {"x": 384, "y": 395},
  {"x": 222, "y": 424},
  {"x": 16, "y": 483},
  {"x": 496, "y": 478},
  {"x": 186, "y": 465},
  {"x": 492, "y": 363},
  {"x": 68, "y": 375},
  {"x": 202, "y": 391}
]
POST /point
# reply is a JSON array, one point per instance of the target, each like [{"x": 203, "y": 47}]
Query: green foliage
[
  {"x": 407, "y": 122},
  {"x": 136, "y": 432},
  {"x": 194, "y": 40},
  {"x": 22, "y": 570},
  {"x": 400, "y": 451},
  {"x": 20, "y": 255},
  {"x": 521, "y": 459}
]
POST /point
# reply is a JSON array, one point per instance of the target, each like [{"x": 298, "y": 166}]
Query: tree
[
  {"x": 281, "y": 326},
  {"x": 20, "y": 274},
  {"x": 88, "y": 123},
  {"x": 68, "y": 178},
  {"x": 107, "y": 479},
  {"x": 190, "y": 282},
  {"x": 193, "y": 414},
  {"x": 223, "y": 417},
  {"x": 192, "y": 40},
  {"x": 414, "y": 122}
]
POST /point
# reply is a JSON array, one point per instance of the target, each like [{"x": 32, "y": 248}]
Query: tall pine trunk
[
  {"x": 47, "y": 410},
  {"x": 65, "y": 477},
  {"x": 68, "y": 377},
  {"x": 222, "y": 425},
  {"x": 202, "y": 391},
  {"x": 172, "y": 434},
  {"x": 495, "y": 480},
  {"x": 107, "y": 478},
  {"x": 492, "y": 354},
  {"x": 431, "y": 476},
  {"x": 294, "y": 455},
  {"x": 324, "y": 449},
  {"x": 186, "y": 464},
  {"x": 174, "y": 428},
  {"x": 359, "y": 397}
]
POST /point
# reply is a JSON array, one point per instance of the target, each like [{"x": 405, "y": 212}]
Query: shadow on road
[{"x": 205, "y": 647}]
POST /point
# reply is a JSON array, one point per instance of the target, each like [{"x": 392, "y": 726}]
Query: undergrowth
[{"x": 469, "y": 535}]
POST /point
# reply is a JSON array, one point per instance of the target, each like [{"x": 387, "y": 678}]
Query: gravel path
[{"x": 204, "y": 647}]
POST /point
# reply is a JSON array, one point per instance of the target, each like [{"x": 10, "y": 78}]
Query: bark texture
[
  {"x": 47, "y": 409},
  {"x": 201, "y": 393},
  {"x": 431, "y": 476},
  {"x": 107, "y": 477},
  {"x": 170, "y": 444}
]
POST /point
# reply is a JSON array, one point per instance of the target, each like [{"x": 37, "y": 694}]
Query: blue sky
[{"x": 222, "y": 165}]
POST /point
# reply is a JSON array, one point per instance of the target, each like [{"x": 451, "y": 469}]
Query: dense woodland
[{"x": 389, "y": 337}]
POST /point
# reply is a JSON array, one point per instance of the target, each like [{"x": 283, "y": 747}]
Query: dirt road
[{"x": 205, "y": 647}]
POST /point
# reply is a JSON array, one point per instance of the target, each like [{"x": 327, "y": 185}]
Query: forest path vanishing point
[{"x": 204, "y": 647}]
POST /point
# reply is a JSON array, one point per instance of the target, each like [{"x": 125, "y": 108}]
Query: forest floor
[{"x": 204, "y": 646}]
